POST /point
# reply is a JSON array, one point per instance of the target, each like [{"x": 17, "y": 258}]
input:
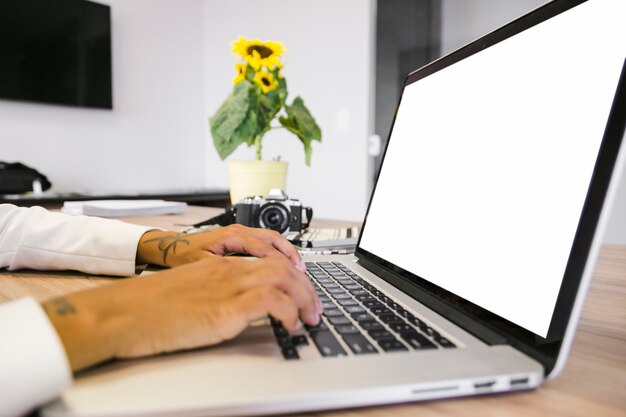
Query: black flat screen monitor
[{"x": 56, "y": 52}]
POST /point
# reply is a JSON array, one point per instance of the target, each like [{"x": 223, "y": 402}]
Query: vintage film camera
[{"x": 276, "y": 212}]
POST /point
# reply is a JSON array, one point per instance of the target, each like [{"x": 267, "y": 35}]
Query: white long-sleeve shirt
[{"x": 33, "y": 366}]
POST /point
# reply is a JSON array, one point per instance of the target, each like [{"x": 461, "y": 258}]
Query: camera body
[{"x": 276, "y": 212}]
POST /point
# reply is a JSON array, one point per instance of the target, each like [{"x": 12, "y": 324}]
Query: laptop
[{"x": 475, "y": 254}]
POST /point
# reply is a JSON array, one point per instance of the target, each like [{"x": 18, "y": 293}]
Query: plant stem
[{"x": 257, "y": 141}]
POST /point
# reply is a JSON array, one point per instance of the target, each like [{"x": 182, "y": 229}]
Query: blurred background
[{"x": 172, "y": 67}]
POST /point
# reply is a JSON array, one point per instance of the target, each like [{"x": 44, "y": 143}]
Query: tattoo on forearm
[
  {"x": 61, "y": 306},
  {"x": 168, "y": 243}
]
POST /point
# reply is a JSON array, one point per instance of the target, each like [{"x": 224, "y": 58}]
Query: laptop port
[
  {"x": 484, "y": 385},
  {"x": 518, "y": 382}
]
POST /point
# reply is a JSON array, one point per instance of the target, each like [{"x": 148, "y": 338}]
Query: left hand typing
[{"x": 171, "y": 249}]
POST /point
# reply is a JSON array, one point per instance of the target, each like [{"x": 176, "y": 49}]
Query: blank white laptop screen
[{"x": 489, "y": 162}]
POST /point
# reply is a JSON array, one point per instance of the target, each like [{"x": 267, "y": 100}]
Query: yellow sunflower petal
[
  {"x": 240, "y": 46},
  {"x": 241, "y": 73}
]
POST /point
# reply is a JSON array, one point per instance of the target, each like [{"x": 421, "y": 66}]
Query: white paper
[{"x": 123, "y": 208}]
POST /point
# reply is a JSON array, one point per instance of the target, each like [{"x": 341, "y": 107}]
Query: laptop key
[
  {"x": 279, "y": 330},
  {"x": 319, "y": 328},
  {"x": 346, "y": 329},
  {"x": 355, "y": 309},
  {"x": 418, "y": 341},
  {"x": 371, "y": 325},
  {"x": 328, "y": 304},
  {"x": 377, "y": 334},
  {"x": 444, "y": 342},
  {"x": 391, "y": 345},
  {"x": 327, "y": 343},
  {"x": 341, "y": 296},
  {"x": 362, "y": 317},
  {"x": 284, "y": 341},
  {"x": 290, "y": 352},
  {"x": 299, "y": 340},
  {"x": 330, "y": 287},
  {"x": 378, "y": 310},
  {"x": 347, "y": 302},
  {"x": 401, "y": 327},
  {"x": 373, "y": 303},
  {"x": 414, "y": 320},
  {"x": 359, "y": 344},
  {"x": 430, "y": 331},
  {"x": 325, "y": 299},
  {"x": 337, "y": 321},
  {"x": 333, "y": 312},
  {"x": 351, "y": 286},
  {"x": 390, "y": 318}
]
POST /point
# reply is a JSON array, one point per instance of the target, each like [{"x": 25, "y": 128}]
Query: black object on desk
[
  {"x": 16, "y": 177},
  {"x": 209, "y": 197}
]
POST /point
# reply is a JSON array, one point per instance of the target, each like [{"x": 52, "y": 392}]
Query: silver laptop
[{"x": 475, "y": 254}]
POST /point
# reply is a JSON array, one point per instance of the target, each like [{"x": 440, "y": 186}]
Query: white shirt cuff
[{"x": 35, "y": 368}]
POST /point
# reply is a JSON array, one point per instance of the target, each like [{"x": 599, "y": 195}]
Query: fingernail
[
  {"x": 315, "y": 319},
  {"x": 301, "y": 265}
]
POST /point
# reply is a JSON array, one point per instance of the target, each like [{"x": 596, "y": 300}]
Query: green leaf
[
  {"x": 300, "y": 122},
  {"x": 303, "y": 119},
  {"x": 237, "y": 120}
]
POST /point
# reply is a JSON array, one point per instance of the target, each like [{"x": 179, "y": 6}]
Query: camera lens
[{"x": 274, "y": 216}]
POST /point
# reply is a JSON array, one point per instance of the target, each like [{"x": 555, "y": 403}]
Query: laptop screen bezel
[{"x": 545, "y": 350}]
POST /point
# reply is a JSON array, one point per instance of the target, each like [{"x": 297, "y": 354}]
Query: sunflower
[
  {"x": 241, "y": 73},
  {"x": 259, "y": 54},
  {"x": 266, "y": 81}
]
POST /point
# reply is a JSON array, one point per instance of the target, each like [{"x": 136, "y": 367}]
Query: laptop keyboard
[{"x": 358, "y": 319}]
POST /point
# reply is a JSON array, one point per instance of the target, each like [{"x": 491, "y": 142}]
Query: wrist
[
  {"x": 147, "y": 248},
  {"x": 163, "y": 248},
  {"x": 87, "y": 332}
]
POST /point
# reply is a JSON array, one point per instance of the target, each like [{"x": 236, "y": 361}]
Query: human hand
[
  {"x": 199, "y": 304},
  {"x": 172, "y": 249}
]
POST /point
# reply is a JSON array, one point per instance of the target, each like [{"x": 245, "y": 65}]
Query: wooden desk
[{"x": 593, "y": 383}]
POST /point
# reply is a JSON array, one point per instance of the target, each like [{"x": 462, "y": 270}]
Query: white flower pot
[{"x": 252, "y": 178}]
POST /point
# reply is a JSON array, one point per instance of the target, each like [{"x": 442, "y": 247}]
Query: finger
[
  {"x": 250, "y": 245},
  {"x": 281, "y": 244},
  {"x": 280, "y": 274},
  {"x": 307, "y": 282},
  {"x": 263, "y": 301}
]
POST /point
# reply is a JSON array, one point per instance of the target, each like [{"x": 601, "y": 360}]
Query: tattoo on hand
[
  {"x": 168, "y": 243},
  {"x": 61, "y": 306}
]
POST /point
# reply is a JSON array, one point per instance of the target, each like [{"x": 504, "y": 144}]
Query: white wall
[
  {"x": 464, "y": 21},
  {"x": 153, "y": 138},
  {"x": 172, "y": 69},
  {"x": 327, "y": 64}
]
